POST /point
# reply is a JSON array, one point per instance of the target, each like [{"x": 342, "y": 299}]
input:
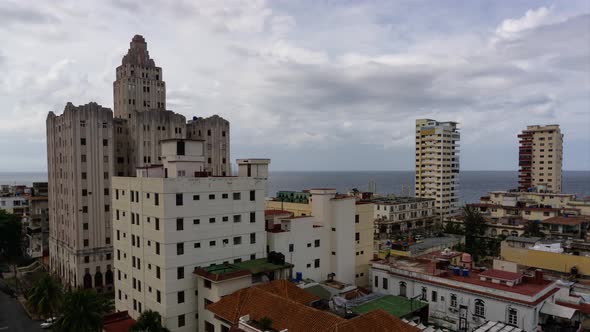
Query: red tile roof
[
  {"x": 285, "y": 305},
  {"x": 563, "y": 220},
  {"x": 502, "y": 275},
  {"x": 117, "y": 322}
]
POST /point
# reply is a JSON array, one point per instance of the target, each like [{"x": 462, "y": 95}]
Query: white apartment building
[
  {"x": 400, "y": 215},
  {"x": 437, "y": 164},
  {"x": 540, "y": 158},
  {"x": 171, "y": 219},
  {"x": 322, "y": 244},
  {"x": 14, "y": 204},
  {"x": 463, "y": 299}
]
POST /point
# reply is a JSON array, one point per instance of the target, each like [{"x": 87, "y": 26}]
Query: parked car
[{"x": 48, "y": 322}]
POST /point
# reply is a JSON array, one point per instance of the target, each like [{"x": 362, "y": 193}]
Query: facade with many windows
[{"x": 171, "y": 219}]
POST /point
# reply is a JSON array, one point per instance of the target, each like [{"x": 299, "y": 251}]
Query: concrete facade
[
  {"x": 214, "y": 131},
  {"x": 540, "y": 158},
  {"x": 165, "y": 227},
  {"x": 399, "y": 216},
  {"x": 80, "y": 164},
  {"x": 437, "y": 164}
]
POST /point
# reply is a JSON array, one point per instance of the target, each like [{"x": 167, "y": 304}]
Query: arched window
[
  {"x": 87, "y": 280},
  {"x": 514, "y": 233},
  {"x": 424, "y": 294},
  {"x": 512, "y": 316},
  {"x": 480, "y": 309},
  {"x": 108, "y": 277},
  {"x": 402, "y": 289},
  {"x": 98, "y": 279}
]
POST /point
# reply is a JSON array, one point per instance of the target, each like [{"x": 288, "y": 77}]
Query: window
[
  {"x": 86, "y": 242},
  {"x": 212, "y": 243},
  {"x": 196, "y": 197},
  {"x": 224, "y": 196},
  {"x": 252, "y": 238},
  {"x": 252, "y": 256},
  {"x": 211, "y": 196},
  {"x": 357, "y": 236},
  {"x": 83, "y": 158},
  {"x": 316, "y": 243},
  {"x": 158, "y": 272},
  {"x": 237, "y": 196},
  {"x": 252, "y": 217},
  {"x": 434, "y": 296},
  {"x": 480, "y": 308},
  {"x": 512, "y": 316},
  {"x": 178, "y": 199},
  {"x": 207, "y": 283},
  {"x": 180, "y": 248},
  {"x": 196, "y": 221},
  {"x": 181, "y": 320},
  {"x": 376, "y": 283},
  {"x": 86, "y": 259},
  {"x": 252, "y": 195},
  {"x": 291, "y": 247},
  {"x": 179, "y": 224},
  {"x": 225, "y": 218},
  {"x": 356, "y": 219},
  {"x": 211, "y": 220},
  {"x": 402, "y": 289},
  {"x": 157, "y": 224},
  {"x": 180, "y": 296},
  {"x": 209, "y": 327},
  {"x": 385, "y": 284},
  {"x": 237, "y": 218},
  {"x": 423, "y": 297},
  {"x": 158, "y": 296},
  {"x": 156, "y": 199},
  {"x": 237, "y": 240},
  {"x": 84, "y": 192},
  {"x": 453, "y": 300},
  {"x": 82, "y": 141},
  {"x": 157, "y": 248},
  {"x": 83, "y": 175},
  {"x": 197, "y": 245},
  {"x": 105, "y": 142},
  {"x": 316, "y": 263}
]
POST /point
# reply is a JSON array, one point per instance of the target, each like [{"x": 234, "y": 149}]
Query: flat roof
[
  {"x": 399, "y": 200},
  {"x": 227, "y": 271},
  {"x": 397, "y": 306},
  {"x": 524, "y": 239}
]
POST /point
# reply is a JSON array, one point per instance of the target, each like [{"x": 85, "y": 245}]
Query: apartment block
[
  {"x": 437, "y": 164},
  {"x": 214, "y": 130},
  {"x": 540, "y": 157},
  {"x": 400, "y": 216},
  {"x": 173, "y": 218},
  {"x": 80, "y": 157}
]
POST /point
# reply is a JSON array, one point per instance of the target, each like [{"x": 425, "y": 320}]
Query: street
[{"x": 13, "y": 318}]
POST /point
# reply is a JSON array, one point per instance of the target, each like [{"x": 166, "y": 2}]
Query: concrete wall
[{"x": 545, "y": 260}]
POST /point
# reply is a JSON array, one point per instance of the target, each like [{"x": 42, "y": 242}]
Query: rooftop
[
  {"x": 399, "y": 200},
  {"x": 229, "y": 271},
  {"x": 117, "y": 322},
  {"x": 395, "y": 305},
  {"x": 273, "y": 212},
  {"x": 523, "y": 239},
  {"x": 566, "y": 220}
]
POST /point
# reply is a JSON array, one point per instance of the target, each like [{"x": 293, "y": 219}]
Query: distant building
[
  {"x": 14, "y": 204},
  {"x": 173, "y": 218},
  {"x": 540, "y": 158},
  {"x": 400, "y": 216},
  {"x": 37, "y": 226},
  {"x": 437, "y": 164}
]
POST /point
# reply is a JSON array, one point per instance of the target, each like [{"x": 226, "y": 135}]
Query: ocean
[{"x": 473, "y": 184}]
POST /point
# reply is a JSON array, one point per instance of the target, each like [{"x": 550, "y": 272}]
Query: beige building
[
  {"x": 437, "y": 164},
  {"x": 395, "y": 217},
  {"x": 333, "y": 217},
  {"x": 540, "y": 158},
  {"x": 214, "y": 131},
  {"x": 173, "y": 218},
  {"x": 80, "y": 164}
]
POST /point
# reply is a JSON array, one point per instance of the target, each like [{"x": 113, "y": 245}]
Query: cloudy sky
[{"x": 314, "y": 85}]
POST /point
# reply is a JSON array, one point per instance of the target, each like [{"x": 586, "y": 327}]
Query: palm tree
[
  {"x": 82, "y": 311},
  {"x": 45, "y": 296},
  {"x": 149, "y": 321}
]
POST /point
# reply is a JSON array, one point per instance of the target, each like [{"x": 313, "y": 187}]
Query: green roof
[
  {"x": 253, "y": 266},
  {"x": 395, "y": 305},
  {"x": 318, "y": 290}
]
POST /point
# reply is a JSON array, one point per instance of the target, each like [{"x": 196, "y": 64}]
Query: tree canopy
[{"x": 149, "y": 321}]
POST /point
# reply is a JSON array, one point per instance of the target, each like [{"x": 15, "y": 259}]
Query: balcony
[{"x": 524, "y": 163}]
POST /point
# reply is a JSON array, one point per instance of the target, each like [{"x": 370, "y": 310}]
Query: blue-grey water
[{"x": 473, "y": 184}]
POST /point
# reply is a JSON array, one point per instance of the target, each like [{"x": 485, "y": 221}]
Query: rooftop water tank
[
  {"x": 465, "y": 273},
  {"x": 456, "y": 270}
]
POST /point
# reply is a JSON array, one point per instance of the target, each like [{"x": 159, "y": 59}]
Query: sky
[{"x": 313, "y": 85}]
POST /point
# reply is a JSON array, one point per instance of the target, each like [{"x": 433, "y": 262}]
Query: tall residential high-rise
[
  {"x": 214, "y": 130},
  {"x": 437, "y": 164},
  {"x": 172, "y": 218},
  {"x": 80, "y": 164},
  {"x": 540, "y": 158}
]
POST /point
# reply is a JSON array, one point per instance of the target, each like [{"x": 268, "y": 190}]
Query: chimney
[{"x": 539, "y": 276}]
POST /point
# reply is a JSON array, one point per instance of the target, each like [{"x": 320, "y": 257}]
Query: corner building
[
  {"x": 173, "y": 218},
  {"x": 80, "y": 165}
]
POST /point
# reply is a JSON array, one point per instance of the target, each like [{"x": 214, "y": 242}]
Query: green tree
[
  {"x": 11, "y": 239},
  {"x": 45, "y": 296},
  {"x": 453, "y": 228},
  {"x": 82, "y": 311},
  {"x": 149, "y": 321},
  {"x": 475, "y": 228},
  {"x": 533, "y": 228}
]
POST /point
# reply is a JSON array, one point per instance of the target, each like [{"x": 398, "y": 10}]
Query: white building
[
  {"x": 437, "y": 164},
  {"x": 401, "y": 215},
  {"x": 14, "y": 204},
  {"x": 322, "y": 244},
  {"x": 171, "y": 219},
  {"x": 463, "y": 299}
]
